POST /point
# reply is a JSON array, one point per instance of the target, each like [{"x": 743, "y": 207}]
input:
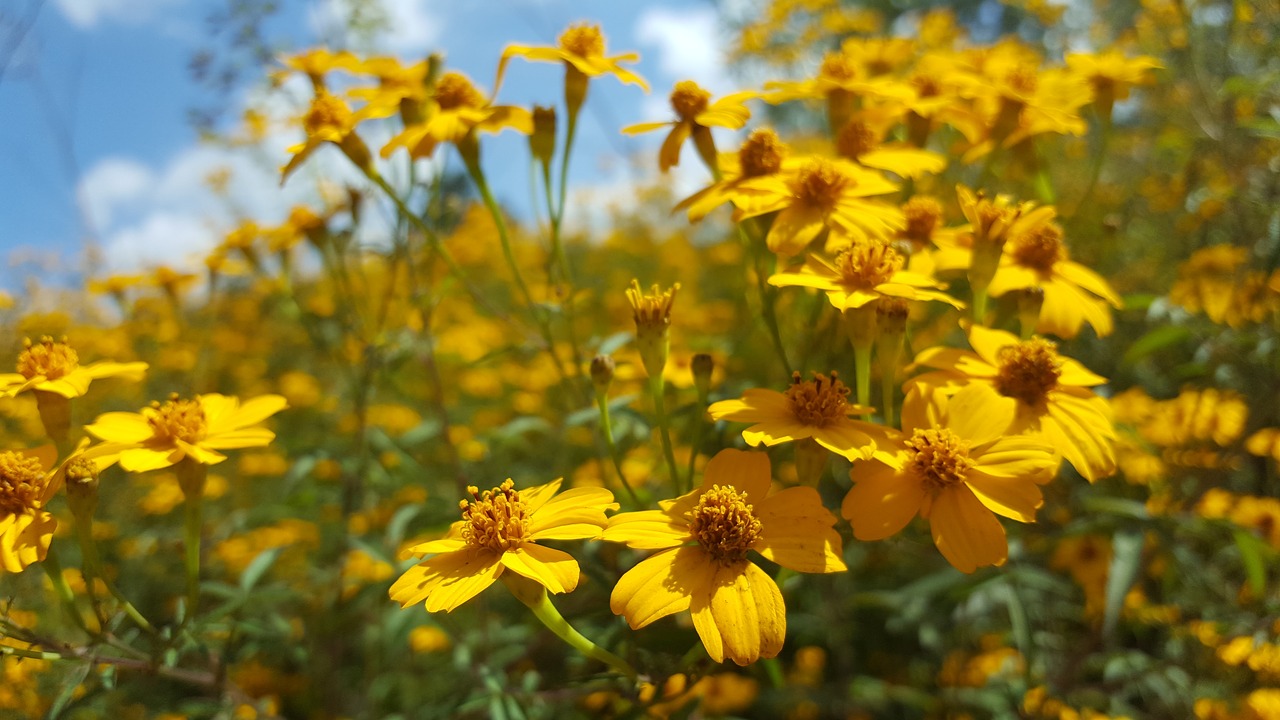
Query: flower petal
[
  {"x": 555, "y": 570},
  {"x": 120, "y": 427},
  {"x": 144, "y": 459},
  {"x": 882, "y": 500},
  {"x": 748, "y": 618},
  {"x": 967, "y": 533},
  {"x": 647, "y": 530},
  {"x": 575, "y": 514},
  {"x": 748, "y": 472},
  {"x": 661, "y": 585},
  {"x": 794, "y": 228},
  {"x": 979, "y": 414},
  {"x": 796, "y": 532},
  {"x": 24, "y": 539}
]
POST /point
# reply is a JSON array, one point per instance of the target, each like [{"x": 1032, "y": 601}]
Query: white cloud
[
  {"x": 410, "y": 30},
  {"x": 113, "y": 184},
  {"x": 691, "y": 45},
  {"x": 86, "y": 14}
]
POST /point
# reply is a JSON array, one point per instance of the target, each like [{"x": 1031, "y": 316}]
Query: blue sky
[{"x": 94, "y": 141}]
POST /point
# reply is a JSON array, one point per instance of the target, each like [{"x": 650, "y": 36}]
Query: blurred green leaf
[
  {"x": 259, "y": 567},
  {"x": 1126, "y": 561},
  {"x": 1158, "y": 339},
  {"x": 1251, "y": 551}
]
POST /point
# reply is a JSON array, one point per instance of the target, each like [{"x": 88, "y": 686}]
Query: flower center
[
  {"x": 993, "y": 218},
  {"x": 454, "y": 90},
  {"x": 868, "y": 263},
  {"x": 1029, "y": 370},
  {"x": 177, "y": 419},
  {"x": 819, "y": 401},
  {"x": 327, "y": 112},
  {"x": 21, "y": 480},
  {"x": 1022, "y": 80},
  {"x": 838, "y": 67},
  {"x": 689, "y": 100},
  {"x": 725, "y": 525},
  {"x": 923, "y": 214},
  {"x": 1040, "y": 249},
  {"x": 939, "y": 457},
  {"x": 820, "y": 183},
  {"x": 81, "y": 470},
  {"x": 49, "y": 359},
  {"x": 855, "y": 139},
  {"x": 652, "y": 311},
  {"x": 497, "y": 519},
  {"x": 762, "y": 153},
  {"x": 926, "y": 85},
  {"x": 583, "y": 41}
]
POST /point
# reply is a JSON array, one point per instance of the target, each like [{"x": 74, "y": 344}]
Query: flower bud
[
  {"x": 652, "y": 315},
  {"x": 542, "y": 143},
  {"x": 702, "y": 367},
  {"x": 602, "y": 367}
]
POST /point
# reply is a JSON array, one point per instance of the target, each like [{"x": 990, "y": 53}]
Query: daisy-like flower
[
  {"x": 820, "y": 195},
  {"x": 1112, "y": 75},
  {"x": 401, "y": 89},
  {"x": 1049, "y": 394},
  {"x": 695, "y": 116},
  {"x": 763, "y": 154},
  {"x": 499, "y": 531},
  {"x": 25, "y": 488},
  {"x": 329, "y": 120},
  {"x": 582, "y": 50},
  {"x": 817, "y": 409},
  {"x": 704, "y": 538},
  {"x": 842, "y": 79},
  {"x": 456, "y": 109},
  {"x": 54, "y": 367},
  {"x": 923, "y": 233},
  {"x": 163, "y": 434},
  {"x": 958, "y": 469},
  {"x": 862, "y": 273},
  {"x": 863, "y": 142},
  {"x": 316, "y": 63}
]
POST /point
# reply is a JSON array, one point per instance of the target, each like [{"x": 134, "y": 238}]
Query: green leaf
[
  {"x": 1255, "y": 569},
  {"x": 1126, "y": 561},
  {"x": 259, "y": 567},
  {"x": 1139, "y": 301},
  {"x": 613, "y": 342},
  {"x": 1158, "y": 339}
]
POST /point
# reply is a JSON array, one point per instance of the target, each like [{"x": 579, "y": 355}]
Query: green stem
[
  {"x": 193, "y": 529},
  {"x": 656, "y": 389},
  {"x": 862, "y": 372},
  {"x": 570, "y": 133},
  {"x": 606, "y": 427},
  {"x": 536, "y": 599},
  {"x": 699, "y": 426},
  {"x": 768, "y": 295},
  {"x": 53, "y": 568},
  {"x": 979, "y": 305},
  {"x": 1103, "y": 145}
]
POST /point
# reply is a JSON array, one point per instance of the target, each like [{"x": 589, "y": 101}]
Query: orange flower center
[
  {"x": 939, "y": 457},
  {"x": 868, "y": 263},
  {"x": 689, "y": 100},
  {"x": 48, "y": 359},
  {"x": 497, "y": 519},
  {"x": 725, "y": 525},
  {"x": 327, "y": 112},
  {"x": 838, "y": 67},
  {"x": 993, "y": 218},
  {"x": 652, "y": 311},
  {"x": 762, "y": 153},
  {"x": 1022, "y": 80},
  {"x": 454, "y": 90},
  {"x": 923, "y": 214},
  {"x": 819, "y": 401},
  {"x": 925, "y": 85},
  {"x": 1029, "y": 370},
  {"x": 820, "y": 183},
  {"x": 21, "y": 480},
  {"x": 583, "y": 41},
  {"x": 1039, "y": 249},
  {"x": 855, "y": 139},
  {"x": 177, "y": 419}
]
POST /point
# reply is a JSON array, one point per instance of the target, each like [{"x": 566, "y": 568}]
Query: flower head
[
  {"x": 499, "y": 531},
  {"x": 54, "y": 367},
  {"x": 26, "y": 485},
  {"x": 582, "y": 50},
  {"x": 705, "y": 539},
  {"x": 165, "y": 433},
  {"x": 456, "y": 109},
  {"x": 762, "y": 154},
  {"x": 695, "y": 115},
  {"x": 862, "y": 273}
]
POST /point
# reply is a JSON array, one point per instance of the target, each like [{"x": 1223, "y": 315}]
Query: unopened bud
[
  {"x": 1030, "y": 300},
  {"x": 542, "y": 143},
  {"x": 602, "y": 367},
  {"x": 702, "y": 367}
]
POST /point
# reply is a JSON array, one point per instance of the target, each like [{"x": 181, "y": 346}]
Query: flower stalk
[{"x": 534, "y": 596}]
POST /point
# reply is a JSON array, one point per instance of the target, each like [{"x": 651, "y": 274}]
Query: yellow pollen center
[
  {"x": 820, "y": 183},
  {"x": 939, "y": 457},
  {"x": 923, "y": 214},
  {"x": 453, "y": 90},
  {"x": 81, "y": 470},
  {"x": 838, "y": 67},
  {"x": 926, "y": 86},
  {"x": 48, "y": 359},
  {"x": 819, "y": 401},
  {"x": 326, "y": 113},
  {"x": 583, "y": 41},
  {"x": 1040, "y": 249},
  {"x": 689, "y": 100},
  {"x": 1029, "y": 370},
  {"x": 725, "y": 525},
  {"x": 177, "y": 419},
  {"x": 652, "y": 311},
  {"x": 497, "y": 519},
  {"x": 1023, "y": 80},
  {"x": 762, "y": 154},
  {"x": 868, "y": 263},
  {"x": 21, "y": 481},
  {"x": 856, "y": 139}
]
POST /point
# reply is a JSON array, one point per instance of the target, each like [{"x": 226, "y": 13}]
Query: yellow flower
[
  {"x": 863, "y": 273},
  {"x": 26, "y": 485},
  {"x": 162, "y": 435},
  {"x": 401, "y": 88},
  {"x": 704, "y": 537},
  {"x": 499, "y": 531},
  {"x": 329, "y": 120},
  {"x": 817, "y": 408},
  {"x": 455, "y": 110},
  {"x": 1050, "y": 393},
  {"x": 958, "y": 468},
  {"x": 54, "y": 367},
  {"x": 695, "y": 114},
  {"x": 1111, "y": 74},
  {"x": 582, "y": 50},
  {"x": 762, "y": 154},
  {"x": 820, "y": 195},
  {"x": 863, "y": 143},
  {"x": 1207, "y": 280},
  {"x": 318, "y": 62}
]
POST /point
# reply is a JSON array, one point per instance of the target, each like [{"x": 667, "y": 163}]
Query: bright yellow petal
[
  {"x": 748, "y": 472},
  {"x": 555, "y": 570},
  {"x": 248, "y": 437},
  {"x": 575, "y": 514},
  {"x": 472, "y": 571},
  {"x": 234, "y": 415},
  {"x": 661, "y": 585},
  {"x": 794, "y": 228},
  {"x": 126, "y": 371},
  {"x": 120, "y": 427},
  {"x": 988, "y": 343},
  {"x": 24, "y": 539},
  {"x": 1082, "y": 432},
  {"x": 645, "y": 127},
  {"x": 846, "y": 439},
  {"x": 796, "y": 532},
  {"x": 142, "y": 459},
  {"x": 538, "y": 495},
  {"x": 749, "y": 617},
  {"x": 756, "y": 405},
  {"x": 669, "y": 153},
  {"x": 1015, "y": 498},
  {"x": 647, "y": 530},
  {"x": 1017, "y": 456},
  {"x": 967, "y": 533},
  {"x": 882, "y": 500},
  {"x": 979, "y": 414}
]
